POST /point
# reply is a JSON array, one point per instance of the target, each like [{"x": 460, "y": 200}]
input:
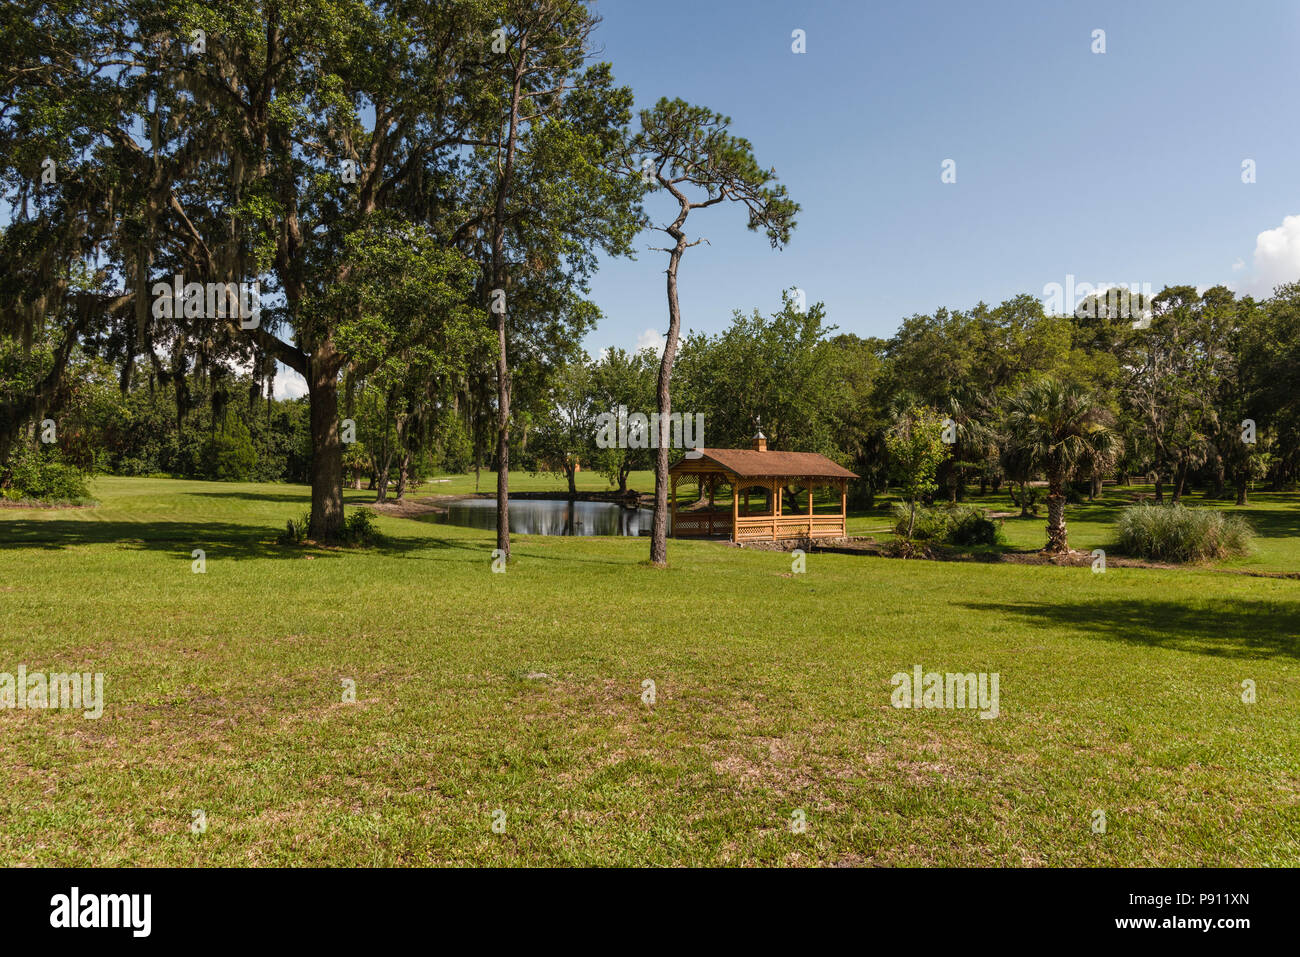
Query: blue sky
[{"x": 1120, "y": 167}]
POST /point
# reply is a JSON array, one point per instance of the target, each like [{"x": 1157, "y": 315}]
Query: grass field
[{"x": 521, "y": 692}]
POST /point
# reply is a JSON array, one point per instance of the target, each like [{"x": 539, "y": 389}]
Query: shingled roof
[{"x": 748, "y": 463}]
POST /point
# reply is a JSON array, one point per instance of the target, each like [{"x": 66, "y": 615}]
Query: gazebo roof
[{"x": 751, "y": 463}]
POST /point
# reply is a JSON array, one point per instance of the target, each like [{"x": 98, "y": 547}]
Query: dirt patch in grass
[{"x": 415, "y": 507}]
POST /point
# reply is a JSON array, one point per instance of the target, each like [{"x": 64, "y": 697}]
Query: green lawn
[{"x": 522, "y": 692}]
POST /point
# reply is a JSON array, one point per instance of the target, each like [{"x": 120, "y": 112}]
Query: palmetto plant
[{"x": 1060, "y": 429}]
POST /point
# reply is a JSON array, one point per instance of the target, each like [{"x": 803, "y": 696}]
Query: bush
[
  {"x": 974, "y": 527},
  {"x": 295, "y": 533},
  {"x": 964, "y": 525},
  {"x": 359, "y": 527},
  {"x": 41, "y": 475},
  {"x": 1176, "y": 533},
  {"x": 228, "y": 455}
]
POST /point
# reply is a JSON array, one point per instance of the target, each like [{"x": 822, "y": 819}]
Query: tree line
[
  {"x": 1186, "y": 389},
  {"x": 420, "y": 194}
]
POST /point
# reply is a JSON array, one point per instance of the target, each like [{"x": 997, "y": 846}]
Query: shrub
[
  {"x": 359, "y": 527},
  {"x": 964, "y": 525},
  {"x": 974, "y": 527},
  {"x": 42, "y": 475},
  {"x": 295, "y": 533},
  {"x": 228, "y": 455},
  {"x": 1176, "y": 533}
]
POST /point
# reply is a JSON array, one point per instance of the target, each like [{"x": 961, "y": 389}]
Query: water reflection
[{"x": 550, "y": 517}]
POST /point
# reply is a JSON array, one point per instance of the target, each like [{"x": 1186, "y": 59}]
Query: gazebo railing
[
  {"x": 701, "y": 523},
  {"x": 751, "y": 528}
]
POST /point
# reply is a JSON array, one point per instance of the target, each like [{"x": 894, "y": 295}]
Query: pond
[{"x": 549, "y": 517}]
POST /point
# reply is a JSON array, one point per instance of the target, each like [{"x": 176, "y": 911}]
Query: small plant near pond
[
  {"x": 358, "y": 529},
  {"x": 1176, "y": 533}
]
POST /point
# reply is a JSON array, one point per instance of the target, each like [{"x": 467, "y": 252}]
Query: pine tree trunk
[
  {"x": 503, "y": 440},
  {"x": 499, "y": 283},
  {"x": 659, "y": 531}
]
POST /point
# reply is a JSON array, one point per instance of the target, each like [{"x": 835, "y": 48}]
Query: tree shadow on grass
[
  {"x": 227, "y": 540},
  {"x": 1222, "y": 627},
  {"x": 217, "y": 539},
  {"x": 1268, "y": 523},
  {"x": 301, "y": 498}
]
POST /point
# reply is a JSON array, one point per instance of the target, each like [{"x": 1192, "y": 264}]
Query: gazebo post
[
  {"x": 673, "y": 513},
  {"x": 844, "y": 507},
  {"x": 713, "y": 482},
  {"x": 810, "y": 508},
  {"x": 735, "y": 511},
  {"x": 776, "y": 505}
]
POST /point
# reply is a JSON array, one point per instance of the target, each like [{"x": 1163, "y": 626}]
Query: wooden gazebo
[{"x": 774, "y": 476}]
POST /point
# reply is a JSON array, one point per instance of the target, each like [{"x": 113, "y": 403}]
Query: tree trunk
[
  {"x": 1057, "y": 543},
  {"x": 571, "y": 472},
  {"x": 499, "y": 283},
  {"x": 503, "y": 441},
  {"x": 327, "y": 448},
  {"x": 1160, "y": 490},
  {"x": 403, "y": 468},
  {"x": 1180, "y": 478},
  {"x": 659, "y": 532},
  {"x": 1241, "y": 489}
]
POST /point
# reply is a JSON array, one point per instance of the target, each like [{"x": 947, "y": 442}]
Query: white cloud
[
  {"x": 288, "y": 384},
  {"x": 1277, "y": 258},
  {"x": 652, "y": 339}
]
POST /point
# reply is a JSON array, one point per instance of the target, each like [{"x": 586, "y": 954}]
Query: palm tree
[
  {"x": 973, "y": 445},
  {"x": 1059, "y": 428}
]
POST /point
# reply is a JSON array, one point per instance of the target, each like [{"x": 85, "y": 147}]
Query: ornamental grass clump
[{"x": 1176, "y": 533}]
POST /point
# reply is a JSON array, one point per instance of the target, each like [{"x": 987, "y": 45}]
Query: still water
[{"x": 550, "y": 517}]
